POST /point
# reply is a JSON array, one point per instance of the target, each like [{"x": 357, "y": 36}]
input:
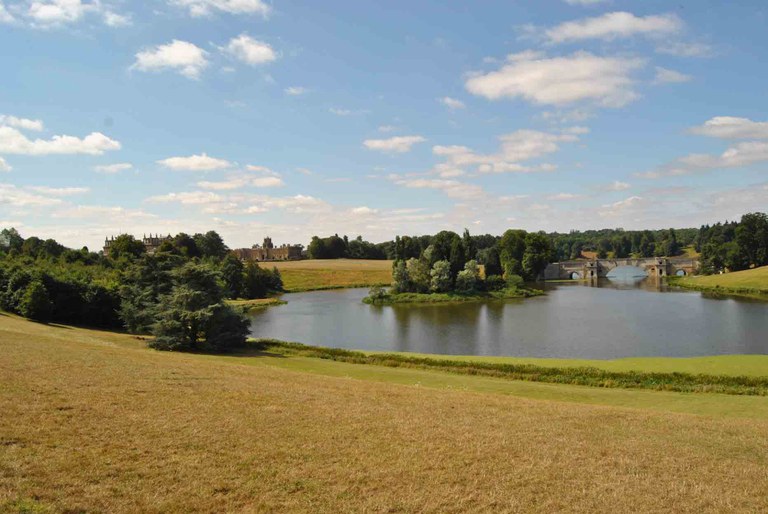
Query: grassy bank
[
  {"x": 752, "y": 283},
  {"x": 257, "y": 303},
  {"x": 94, "y": 422},
  {"x": 581, "y": 375},
  {"x": 406, "y": 298},
  {"x": 319, "y": 274}
]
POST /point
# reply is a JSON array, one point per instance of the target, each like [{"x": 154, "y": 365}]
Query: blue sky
[{"x": 294, "y": 118}]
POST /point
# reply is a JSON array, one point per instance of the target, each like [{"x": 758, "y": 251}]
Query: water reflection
[{"x": 598, "y": 319}]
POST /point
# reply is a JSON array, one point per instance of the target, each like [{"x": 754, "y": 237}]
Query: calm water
[{"x": 615, "y": 319}]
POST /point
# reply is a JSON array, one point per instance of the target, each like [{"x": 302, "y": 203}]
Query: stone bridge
[{"x": 599, "y": 268}]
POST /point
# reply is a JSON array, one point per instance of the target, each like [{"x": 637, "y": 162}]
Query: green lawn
[{"x": 749, "y": 279}]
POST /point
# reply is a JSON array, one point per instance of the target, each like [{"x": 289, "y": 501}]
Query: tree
[
  {"x": 211, "y": 245},
  {"x": 186, "y": 245},
  {"x": 470, "y": 249},
  {"x": 442, "y": 245},
  {"x": 538, "y": 253},
  {"x": 125, "y": 245},
  {"x": 418, "y": 274},
  {"x": 193, "y": 316},
  {"x": 143, "y": 284},
  {"x": 10, "y": 240},
  {"x": 511, "y": 250},
  {"x": 752, "y": 238},
  {"x": 233, "y": 274},
  {"x": 256, "y": 284},
  {"x": 400, "y": 281},
  {"x": 489, "y": 258},
  {"x": 457, "y": 258},
  {"x": 469, "y": 278},
  {"x": 35, "y": 303},
  {"x": 441, "y": 277}
]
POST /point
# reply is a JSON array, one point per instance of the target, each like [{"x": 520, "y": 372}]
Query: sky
[{"x": 290, "y": 118}]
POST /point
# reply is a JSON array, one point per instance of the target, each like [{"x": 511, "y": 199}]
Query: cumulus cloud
[
  {"x": 201, "y": 162},
  {"x": 452, "y": 188},
  {"x": 206, "y": 7},
  {"x": 622, "y": 207},
  {"x": 102, "y": 213},
  {"x": 737, "y": 156},
  {"x": 731, "y": 127},
  {"x": 19, "y": 197},
  {"x": 59, "y": 191},
  {"x": 4, "y": 166},
  {"x": 296, "y": 90},
  {"x": 564, "y": 197},
  {"x": 113, "y": 19},
  {"x": 111, "y": 169},
  {"x": 666, "y": 76},
  {"x": 250, "y": 51},
  {"x": 685, "y": 49},
  {"x": 12, "y": 141},
  {"x": 614, "y": 25},
  {"x": 21, "y": 123},
  {"x": 180, "y": 56},
  {"x": 451, "y": 103},
  {"x": 582, "y": 76},
  {"x": 187, "y": 198},
  {"x": 397, "y": 144},
  {"x": 515, "y": 148},
  {"x": 5, "y": 16},
  {"x": 616, "y": 185},
  {"x": 241, "y": 181}
]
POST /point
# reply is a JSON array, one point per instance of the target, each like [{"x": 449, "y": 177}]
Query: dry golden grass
[
  {"x": 332, "y": 273},
  {"x": 93, "y": 422}
]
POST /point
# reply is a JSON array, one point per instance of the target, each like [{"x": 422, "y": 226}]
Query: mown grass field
[
  {"x": 314, "y": 274},
  {"x": 748, "y": 279},
  {"x": 93, "y": 421}
]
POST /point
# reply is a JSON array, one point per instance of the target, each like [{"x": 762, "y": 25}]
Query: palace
[
  {"x": 269, "y": 252},
  {"x": 151, "y": 243}
]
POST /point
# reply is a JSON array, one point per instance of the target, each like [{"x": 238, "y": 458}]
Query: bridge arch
[
  {"x": 575, "y": 275},
  {"x": 627, "y": 272}
]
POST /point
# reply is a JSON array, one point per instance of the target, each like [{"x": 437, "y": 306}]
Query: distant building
[
  {"x": 151, "y": 243},
  {"x": 268, "y": 252}
]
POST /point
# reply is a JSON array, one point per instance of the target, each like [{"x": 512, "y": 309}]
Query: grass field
[
  {"x": 256, "y": 303},
  {"x": 747, "y": 282},
  {"x": 317, "y": 274},
  {"x": 93, "y": 421}
]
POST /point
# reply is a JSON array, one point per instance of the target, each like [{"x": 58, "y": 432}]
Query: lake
[{"x": 607, "y": 320}]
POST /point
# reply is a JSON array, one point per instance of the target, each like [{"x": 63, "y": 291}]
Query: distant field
[
  {"x": 94, "y": 422},
  {"x": 313, "y": 274},
  {"x": 753, "y": 278}
]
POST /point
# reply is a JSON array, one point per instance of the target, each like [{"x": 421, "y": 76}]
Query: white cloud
[
  {"x": 683, "y": 49},
  {"x": 4, "y": 166},
  {"x": 5, "y": 16},
  {"x": 452, "y": 188},
  {"x": 14, "y": 142},
  {"x": 58, "y": 12},
  {"x": 565, "y": 197},
  {"x": 180, "y": 56},
  {"x": 516, "y": 147},
  {"x": 581, "y": 76},
  {"x": 17, "y": 197},
  {"x": 59, "y": 191},
  {"x": 623, "y": 207},
  {"x": 451, "y": 103},
  {"x": 616, "y": 185},
  {"x": 731, "y": 127},
  {"x": 738, "y": 155},
  {"x": 250, "y": 51},
  {"x": 200, "y": 162},
  {"x": 363, "y": 211},
  {"x": 102, "y": 213},
  {"x": 262, "y": 169},
  {"x": 113, "y": 19},
  {"x": 296, "y": 90},
  {"x": 187, "y": 198},
  {"x": 346, "y": 112},
  {"x": 21, "y": 123},
  {"x": 387, "y": 128},
  {"x": 240, "y": 181},
  {"x": 614, "y": 25},
  {"x": 111, "y": 169},
  {"x": 206, "y": 7},
  {"x": 666, "y": 76},
  {"x": 397, "y": 144}
]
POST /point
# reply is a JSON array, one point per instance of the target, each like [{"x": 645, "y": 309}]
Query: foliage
[
  {"x": 538, "y": 253},
  {"x": 259, "y": 282},
  {"x": 126, "y": 246},
  {"x": 35, "y": 303},
  {"x": 441, "y": 277},
  {"x": 514, "y": 281},
  {"x": 335, "y": 247},
  {"x": 193, "y": 316},
  {"x": 468, "y": 280}
]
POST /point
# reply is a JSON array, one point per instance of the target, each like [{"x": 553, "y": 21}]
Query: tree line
[
  {"x": 734, "y": 245},
  {"x": 177, "y": 293}
]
